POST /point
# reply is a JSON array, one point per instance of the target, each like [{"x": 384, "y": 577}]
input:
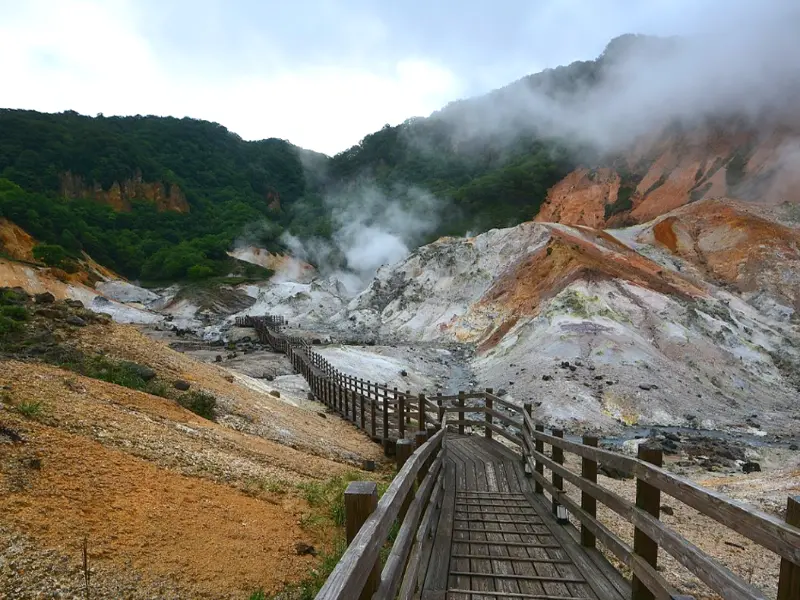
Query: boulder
[
  {"x": 303, "y": 549},
  {"x": 74, "y": 303},
  {"x": 751, "y": 467},
  {"x": 275, "y": 393},
  {"x": 142, "y": 371},
  {"x": 75, "y": 320},
  {"x": 182, "y": 385},
  {"x": 44, "y": 298}
]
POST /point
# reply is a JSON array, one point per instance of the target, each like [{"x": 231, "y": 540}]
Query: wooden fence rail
[{"x": 388, "y": 415}]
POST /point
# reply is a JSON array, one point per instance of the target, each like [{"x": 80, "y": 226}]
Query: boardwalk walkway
[
  {"x": 474, "y": 526},
  {"x": 494, "y": 539}
]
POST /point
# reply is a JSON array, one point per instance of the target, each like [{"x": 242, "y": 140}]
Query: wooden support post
[
  {"x": 489, "y": 403},
  {"x": 439, "y": 410},
  {"x": 403, "y": 451},
  {"x": 360, "y": 501},
  {"x": 361, "y": 403},
  {"x": 588, "y": 502},
  {"x": 557, "y": 455},
  {"x": 539, "y": 466},
  {"x": 461, "y": 413},
  {"x": 373, "y": 418},
  {"x": 346, "y": 394},
  {"x": 648, "y": 498},
  {"x": 385, "y": 432},
  {"x": 401, "y": 415},
  {"x": 408, "y": 407},
  {"x": 421, "y": 420},
  {"x": 789, "y": 579}
]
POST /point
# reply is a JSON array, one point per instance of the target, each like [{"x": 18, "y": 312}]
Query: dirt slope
[{"x": 173, "y": 505}]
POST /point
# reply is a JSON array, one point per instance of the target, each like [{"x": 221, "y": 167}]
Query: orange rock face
[
  {"x": 728, "y": 244},
  {"x": 119, "y": 196},
  {"x": 677, "y": 168},
  {"x": 15, "y": 242}
]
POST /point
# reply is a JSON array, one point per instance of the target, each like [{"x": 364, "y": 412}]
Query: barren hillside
[{"x": 156, "y": 489}]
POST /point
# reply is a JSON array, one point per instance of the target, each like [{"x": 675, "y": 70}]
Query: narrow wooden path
[{"x": 495, "y": 539}]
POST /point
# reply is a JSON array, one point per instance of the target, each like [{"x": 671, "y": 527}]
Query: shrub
[
  {"x": 198, "y": 272},
  {"x": 200, "y": 403},
  {"x": 17, "y": 313},
  {"x": 30, "y": 408},
  {"x": 624, "y": 201},
  {"x": 52, "y": 255},
  {"x": 8, "y": 325}
]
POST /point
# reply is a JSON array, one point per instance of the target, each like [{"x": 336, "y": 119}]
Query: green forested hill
[
  {"x": 230, "y": 186},
  {"x": 485, "y": 158}
]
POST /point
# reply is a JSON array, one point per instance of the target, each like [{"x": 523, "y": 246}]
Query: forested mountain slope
[{"x": 158, "y": 198}]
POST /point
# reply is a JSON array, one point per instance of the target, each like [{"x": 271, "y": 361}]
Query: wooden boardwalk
[
  {"x": 494, "y": 539},
  {"x": 474, "y": 526}
]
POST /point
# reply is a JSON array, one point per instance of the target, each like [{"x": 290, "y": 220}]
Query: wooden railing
[
  {"x": 390, "y": 416},
  {"x": 412, "y": 501}
]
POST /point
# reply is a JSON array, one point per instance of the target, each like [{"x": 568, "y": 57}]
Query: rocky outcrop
[
  {"x": 15, "y": 242},
  {"x": 166, "y": 197},
  {"x": 677, "y": 167}
]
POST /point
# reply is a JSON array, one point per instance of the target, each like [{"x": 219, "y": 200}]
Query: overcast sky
[{"x": 320, "y": 73}]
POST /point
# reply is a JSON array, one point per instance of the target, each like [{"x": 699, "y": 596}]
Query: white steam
[
  {"x": 745, "y": 64},
  {"x": 371, "y": 229}
]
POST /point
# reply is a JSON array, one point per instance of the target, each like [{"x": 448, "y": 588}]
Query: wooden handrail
[
  {"x": 759, "y": 527},
  {"x": 763, "y": 529},
  {"x": 351, "y": 572}
]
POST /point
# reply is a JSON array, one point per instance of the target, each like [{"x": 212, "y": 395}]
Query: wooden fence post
[
  {"x": 346, "y": 399},
  {"x": 648, "y": 498},
  {"x": 408, "y": 407},
  {"x": 403, "y": 450},
  {"x": 557, "y": 454},
  {"x": 421, "y": 420},
  {"x": 439, "y": 410},
  {"x": 789, "y": 579},
  {"x": 489, "y": 404},
  {"x": 360, "y": 501},
  {"x": 461, "y": 413},
  {"x": 362, "y": 400},
  {"x": 401, "y": 417},
  {"x": 373, "y": 417},
  {"x": 539, "y": 466},
  {"x": 354, "y": 399},
  {"x": 588, "y": 503},
  {"x": 385, "y": 432}
]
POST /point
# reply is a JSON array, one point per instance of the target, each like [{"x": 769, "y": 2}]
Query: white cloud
[{"x": 93, "y": 56}]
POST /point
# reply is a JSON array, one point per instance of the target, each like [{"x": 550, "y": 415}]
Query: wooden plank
[
  {"x": 512, "y": 595},
  {"x": 436, "y": 578},
  {"x": 524, "y": 577}
]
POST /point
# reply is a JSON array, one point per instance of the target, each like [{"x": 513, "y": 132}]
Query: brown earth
[
  {"x": 15, "y": 242},
  {"x": 173, "y": 505}
]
